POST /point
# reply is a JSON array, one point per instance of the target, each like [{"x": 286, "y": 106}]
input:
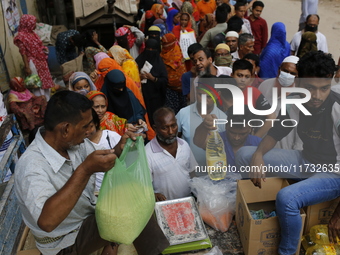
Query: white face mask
[{"x": 286, "y": 79}]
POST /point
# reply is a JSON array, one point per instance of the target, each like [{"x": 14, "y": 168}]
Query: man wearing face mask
[
  {"x": 312, "y": 23},
  {"x": 285, "y": 78}
]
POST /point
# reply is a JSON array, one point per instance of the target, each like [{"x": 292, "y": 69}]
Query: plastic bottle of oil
[
  {"x": 216, "y": 157},
  {"x": 319, "y": 234},
  {"x": 319, "y": 249}
]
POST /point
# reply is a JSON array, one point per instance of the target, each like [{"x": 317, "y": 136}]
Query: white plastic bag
[
  {"x": 214, "y": 251},
  {"x": 216, "y": 201},
  {"x": 185, "y": 40}
]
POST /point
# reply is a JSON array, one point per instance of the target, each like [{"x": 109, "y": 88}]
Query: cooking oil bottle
[
  {"x": 319, "y": 234},
  {"x": 216, "y": 157},
  {"x": 319, "y": 249}
]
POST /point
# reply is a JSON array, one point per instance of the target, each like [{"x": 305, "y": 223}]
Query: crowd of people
[{"x": 159, "y": 79}]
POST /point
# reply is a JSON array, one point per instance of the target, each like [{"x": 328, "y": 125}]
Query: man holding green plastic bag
[{"x": 55, "y": 181}]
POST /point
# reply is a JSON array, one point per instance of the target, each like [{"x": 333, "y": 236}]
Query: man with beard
[
  {"x": 318, "y": 162},
  {"x": 231, "y": 39},
  {"x": 170, "y": 158},
  {"x": 204, "y": 64},
  {"x": 312, "y": 23},
  {"x": 236, "y": 135}
]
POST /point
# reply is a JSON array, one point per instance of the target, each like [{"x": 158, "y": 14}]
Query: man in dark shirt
[{"x": 319, "y": 160}]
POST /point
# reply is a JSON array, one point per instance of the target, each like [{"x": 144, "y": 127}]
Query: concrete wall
[{"x": 12, "y": 56}]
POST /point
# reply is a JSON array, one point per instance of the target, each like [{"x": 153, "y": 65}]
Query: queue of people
[{"x": 144, "y": 84}]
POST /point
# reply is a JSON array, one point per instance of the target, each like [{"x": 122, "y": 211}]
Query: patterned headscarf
[
  {"x": 120, "y": 54},
  {"x": 92, "y": 94},
  {"x": 130, "y": 36},
  {"x": 171, "y": 52},
  {"x": 77, "y": 76}
]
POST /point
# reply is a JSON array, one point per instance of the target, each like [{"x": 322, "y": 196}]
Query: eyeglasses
[{"x": 222, "y": 54}]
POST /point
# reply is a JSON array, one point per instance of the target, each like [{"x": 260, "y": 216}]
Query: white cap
[
  {"x": 232, "y": 34},
  {"x": 291, "y": 59}
]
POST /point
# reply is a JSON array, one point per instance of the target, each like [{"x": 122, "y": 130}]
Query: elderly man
[
  {"x": 231, "y": 40},
  {"x": 246, "y": 44},
  {"x": 170, "y": 158},
  {"x": 312, "y": 23},
  {"x": 55, "y": 183}
]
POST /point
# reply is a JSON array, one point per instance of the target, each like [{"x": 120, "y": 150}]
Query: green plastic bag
[{"x": 126, "y": 199}]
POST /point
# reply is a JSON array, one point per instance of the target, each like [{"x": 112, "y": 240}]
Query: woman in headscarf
[
  {"x": 146, "y": 21},
  {"x": 121, "y": 100},
  {"x": 207, "y": 23},
  {"x": 157, "y": 11},
  {"x": 108, "y": 120},
  {"x": 308, "y": 43},
  {"x": 32, "y": 49},
  {"x": 104, "y": 66},
  {"x": 177, "y": 4},
  {"x": 173, "y": 60},
  {"x": 128, "y": 64},
  {"x": 155, "y": 33},
  {"x": 154, "y": 89},
  {"x": 99, "y": 57},
  {"x": 172, "y": 19},
  {"x": 130, "y": 38},
  {"x": 80, "y": 82},
  {"x": 28, "y": 108},
  {"x": 92, "y": 47},
  {"x": 187, "y": 7},
  {"x": 276, "y": 50}
]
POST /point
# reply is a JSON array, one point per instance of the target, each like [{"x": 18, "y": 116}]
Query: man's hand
[
  {"x": 208, "y": 121},
  {"x": 28, "y": 71},
  {"x": 120, "y": 146},
  {"x": 99, "y": 161},
  {"x": 334, "y": 226},
  {"x": 159, "y": 197},
  {"x": 257, "y": 174}
]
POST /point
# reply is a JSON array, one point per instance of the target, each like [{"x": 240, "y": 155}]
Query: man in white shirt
[
  {"x": 312, "y": 23},
  {"x": 246, "y": 44},
  {"x": 170, "y": 158}
]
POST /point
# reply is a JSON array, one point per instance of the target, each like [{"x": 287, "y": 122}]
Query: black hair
[
  {"x": 316, "y": 64},
  {"x": 194, "y": 48},
  {"x": 78, "y": 40},
  {"x": 221, "y": 14},
  {"x": 247, "y": 116},
  {"x": 258, "y": 3},
  {"x": 254, "y": 57},
  {"x": 310, "y": 15},
  {"x": 162, "y": 112},
  {"x": 235, "y": 24},
  {"x": 244, "y": 38},
  {"x": 32, "y": 134},
  {"x": 240, "y": 4},
  {"x": 65, "y": 106},
  {"x": 206, "y": 51},
  {"x": 95, "y": 119},
  {"x": 88, "y": 34},
  {"x": 242, "y": 64},
  {"x": 217, "y": 39},
  {"x": 226, "y": 7}
]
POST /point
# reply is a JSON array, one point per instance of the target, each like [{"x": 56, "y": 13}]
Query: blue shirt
[
  {"x": 186, "y": 82},
  {"x": 250, "y": 141}
]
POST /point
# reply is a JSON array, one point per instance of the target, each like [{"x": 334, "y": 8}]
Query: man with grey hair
[{"x": 245, "y": 45}]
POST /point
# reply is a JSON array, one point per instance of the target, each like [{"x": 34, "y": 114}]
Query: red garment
[
  {"x": 177, "y": 29},
  {"x": 260, "y": 31},
  {"x": 29, "y": 44},
  {"x": 257, "y": 82}
]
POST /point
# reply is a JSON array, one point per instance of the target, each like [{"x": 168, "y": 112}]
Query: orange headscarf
[
  {"x": 156, "y": 9},
  {"x": 109, "y": 64},
  {"x": 173, "y": 59}
]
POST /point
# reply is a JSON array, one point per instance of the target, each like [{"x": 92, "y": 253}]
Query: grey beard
[
  {"x": 167, "y": 141},
  {"x": 206, "y": 71}
]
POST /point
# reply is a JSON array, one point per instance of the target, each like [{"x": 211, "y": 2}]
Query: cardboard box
[
  {"x": 319, "y": 214},
  {"x": 259, "y": 236},
  {"x": 27, "y": 244}
]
